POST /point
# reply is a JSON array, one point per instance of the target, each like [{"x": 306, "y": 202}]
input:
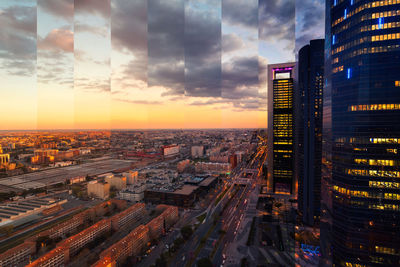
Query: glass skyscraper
[
  {"x": 281, "y": 132},
  {"x": 309, "y": 129},
  {"x": 361, "y": 146}
]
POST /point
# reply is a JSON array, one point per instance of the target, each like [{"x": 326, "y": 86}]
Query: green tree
[
  {"x": 179, "y": 242},
  {"x": 186, "y": 231},
  {"x": 161, "y": 262},
  {"x": 204, "y": 262}
]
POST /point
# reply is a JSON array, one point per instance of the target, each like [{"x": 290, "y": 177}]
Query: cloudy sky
[{"x": 146, "y": 64}]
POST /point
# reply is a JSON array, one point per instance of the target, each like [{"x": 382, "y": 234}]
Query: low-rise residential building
[
  {"x": 131, "y": 177},
  {"x": 98, "y": 189},
  {"x": 78, "y": 241},
  {"x": 182, "y": 165},
  {"x": 133, "y": 193},
  {"x": 64, "y": 228},
  {"x": 117, "y": 181},
  {"x": 197, "y": 151},
  {"x": 170, "y": 150},
  {"x": 137, "y": 240},
  {"x": 170, "y": 214},
  {"x": 56, "y": 257},
  {"x": 130, "y": 245},
  {"x": 128, "y": 216},
  {"x": 18, "y": 256}
]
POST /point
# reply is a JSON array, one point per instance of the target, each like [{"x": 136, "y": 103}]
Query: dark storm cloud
[
  {"x": 241, "y": 83},
  {"x": 277, "y": 20},
  {"x": 95, "y": 7},
  {"x": 202, "y": 49},
  {"x": 238, "y": 105},
  {"x": 240, "y": 78},
  {"x": 240, "y": 86},
  {"x": 18, "y": 40},
  {"x": 59, "y": 8},
  {"x": 129, "y": 34},
  {"x": 310, "y": 21},
  {"x": 129, "y": 25},
  {"x": 240, "y": 12},
  {"x": 166, "y": 44}
]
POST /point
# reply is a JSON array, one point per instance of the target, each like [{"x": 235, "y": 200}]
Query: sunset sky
[{"x": 101, "y": 64}]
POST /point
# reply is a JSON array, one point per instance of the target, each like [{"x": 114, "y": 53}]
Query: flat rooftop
[
  {"x": 207, "y": 181},
  {"x": 59, "y": 175},
  {"x": 185, "y": 190}
]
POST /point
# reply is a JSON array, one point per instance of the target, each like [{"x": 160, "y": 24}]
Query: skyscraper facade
[
  {"x": 281, "y": 133},
  {"x": 309, "y": 129},
  {"x": 362, "y": 133}
]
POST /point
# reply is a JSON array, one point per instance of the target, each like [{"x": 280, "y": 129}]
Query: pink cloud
[{"x": 58, "y": 39}]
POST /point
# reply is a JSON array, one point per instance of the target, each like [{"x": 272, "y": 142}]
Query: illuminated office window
[
  {"x": 397, "y": 83},
  {"x": 392, "y": 150},
  {"x": 380, "y": 23},
  {"x": 385, "y": 250},
  {"x": 381, "y": 184},
  {"x": 385, "y": 140},
  {"x": 373, "y": 107}
]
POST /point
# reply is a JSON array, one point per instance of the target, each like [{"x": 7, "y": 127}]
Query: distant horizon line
[{"x": 128, "y": 129}]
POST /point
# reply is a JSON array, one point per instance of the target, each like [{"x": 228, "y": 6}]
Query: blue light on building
[
  {"x": 380, "y": 23},
  {"x": 351, "y": 2},
  {"x": 335, "y": 2},
  {"x": 348, "y": 73},
  {"x": 333, "y": 39},
  {"x": 345, "y": 13}
]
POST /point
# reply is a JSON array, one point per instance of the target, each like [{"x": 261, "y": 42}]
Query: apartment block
[
  {"x": 98, "y": 190},
  {"x": 117, "y": 181},
  {"x": 63, "y": 228},
  {"x": 19, "y": 255},
  {"x": 136, "y": 241},
  {"x": 132, "y": 244},
  {"x": 57, "y": 257},
  {"x": 130, "y": 215},
  {"x": 158, "y": 225},
  {"x": 78, "y": 241}
]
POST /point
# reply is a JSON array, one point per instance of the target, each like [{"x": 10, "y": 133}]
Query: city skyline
[
  {"x": 200, "y": 133},
  {"x": 143, "y": 77}
]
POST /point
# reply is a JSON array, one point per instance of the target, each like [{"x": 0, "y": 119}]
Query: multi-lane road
[{"x": 223, "y": 221}]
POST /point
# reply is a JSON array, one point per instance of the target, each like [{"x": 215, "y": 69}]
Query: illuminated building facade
[
  {"x": 362, "y": 133},
  {"x": 309, "y": 129},
  {"x": 4, "y": 159},
  {"x": 281, "y": 132}
]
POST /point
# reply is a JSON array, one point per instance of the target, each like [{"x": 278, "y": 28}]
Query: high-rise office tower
[
  {"x": 361, "y": 150},
  {"x": 309, "y": 129},
  {"x": 281, "y": 128}
]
